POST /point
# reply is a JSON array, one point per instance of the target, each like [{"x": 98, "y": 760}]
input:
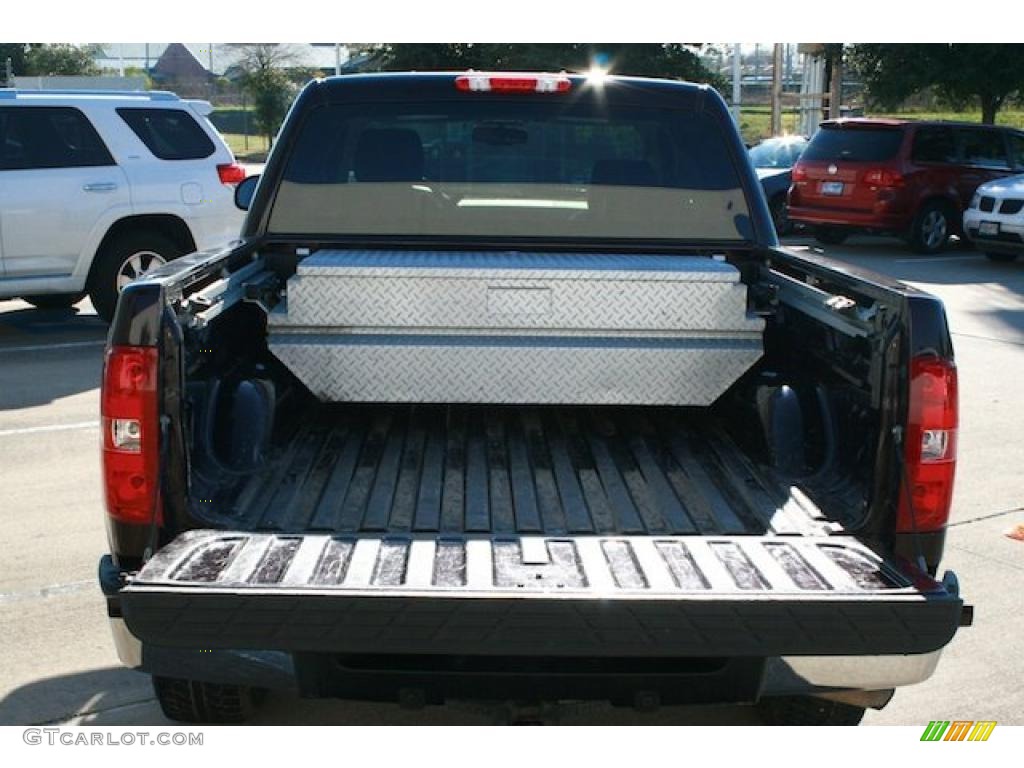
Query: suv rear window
[
  {"x": 170, "y": 134},
  {"x": 860, "y": 144},
  {"x": 575, "y": 168},
  {"x": 49, "y": 137}
]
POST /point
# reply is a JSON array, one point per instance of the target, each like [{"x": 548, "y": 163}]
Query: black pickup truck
[{"x": 509, "y": 394}]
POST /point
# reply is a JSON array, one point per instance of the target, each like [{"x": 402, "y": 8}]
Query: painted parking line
[
  {"x": 93, "y": 424},
  {"x": 47, "y": 347}
]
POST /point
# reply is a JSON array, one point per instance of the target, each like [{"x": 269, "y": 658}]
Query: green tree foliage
[
  {"x": 272, "y": 93},
  {"x": 60, "y": 59},
  {"x": 17, "y": 53},
  {"x": 669, "y": 60},
  {"x": 271, "y": 74},
  {"x": 962, "y": 74}
]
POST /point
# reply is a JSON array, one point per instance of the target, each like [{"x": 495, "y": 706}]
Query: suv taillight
[
  {"x": 930, "y": 449},
  {"x": 883, "y": 177},
  {"x": 130, "y": 424},
  {"x": 799, "y": 173},
  {"x": 230, "y": 173}
]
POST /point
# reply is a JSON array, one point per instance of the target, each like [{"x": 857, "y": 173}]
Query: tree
[
  {"x": 60, "y": 59},
  {"x": 670, "y": 60},
  {"x": 17, "y": 53},
  {"x": 961, "y": 74},
  {"x": 270, "y": 72}
]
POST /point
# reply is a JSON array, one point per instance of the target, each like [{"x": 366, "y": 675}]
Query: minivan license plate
[
  {"x": 831, "y": 187},
  {"x": 989, "y": 228}
]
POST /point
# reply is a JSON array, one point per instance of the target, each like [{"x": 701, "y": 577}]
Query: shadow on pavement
[
  {"x": 117, "y": 696},
  {"x": 56, "y": 699},
  {"x": 46, "y": 355}
]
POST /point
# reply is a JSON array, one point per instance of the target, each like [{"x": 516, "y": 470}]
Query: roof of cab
[{"x": 427, "y": 86}]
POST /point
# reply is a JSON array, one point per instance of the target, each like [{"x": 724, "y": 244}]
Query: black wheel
[
  {"x": 807, "y": 710},
  {"x": 191, "y": 701},
  {"x": 54, "y": 300},
  {"x": 125, "y": 259},
  {"x": 780, "y": 215},
  {"x": 932, "y": 227},
  {"x": 830, "y": 235},
  {"x": 1001, "y": 257}
]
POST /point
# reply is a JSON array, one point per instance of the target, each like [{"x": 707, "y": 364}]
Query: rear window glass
[
  {"x": 934, "y": 145},
  {"x": 49, "y": 137},
  {"x": 170, "y": 134},
  {"x": 572, "y": 168},
  {"x": 854, "y": 144},
  {"x": 983, "y": 148}
]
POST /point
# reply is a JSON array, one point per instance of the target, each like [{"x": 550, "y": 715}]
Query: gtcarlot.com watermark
[{"x": 66, "y": 737}]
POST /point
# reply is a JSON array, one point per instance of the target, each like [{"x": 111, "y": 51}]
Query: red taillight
[
  {"x": 883, "y": 177},
  {"x": 541, "y": 83},
  {"x": 799, "y": 173},
  {"x": 230, "y": 173},
  {"x": 130, "y": 424},
  {"x": 930, "y": 449}
]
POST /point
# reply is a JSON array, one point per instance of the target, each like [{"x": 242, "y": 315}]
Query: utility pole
[
  {"x": 736, "y": 75},
  {"x": 835, "y": 97},
  {"x": 120, "y": 59},
  {"x": 777, "y": 90},
  {"x": 337, "y": 58}
]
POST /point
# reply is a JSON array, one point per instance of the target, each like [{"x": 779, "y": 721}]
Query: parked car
[
  {"x": 994, "y": 220},
  {"x": 911, "y": 179},
  {"x": 96, "y": 188},
  {"x": 509, "y": 394},
  {"x": 773, "y": 160}
]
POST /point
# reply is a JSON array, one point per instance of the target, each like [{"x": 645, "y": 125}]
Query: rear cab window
[
  {"x": 49, "y": 137},
  {"x": 854, "y": 143},
  {"x": 516, "y": 167},
  {"x": 170, "y": 134}
]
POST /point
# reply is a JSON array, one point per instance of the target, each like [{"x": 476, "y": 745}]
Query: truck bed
[
  {"x": 633, "y": 532},
  {"x": 483, "y": 469}
]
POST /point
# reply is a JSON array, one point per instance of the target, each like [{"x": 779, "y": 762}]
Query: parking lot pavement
[{"x": 60, "y": 665}]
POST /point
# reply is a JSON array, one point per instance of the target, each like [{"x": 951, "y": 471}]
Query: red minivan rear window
[{"x": 861, "y": 144}]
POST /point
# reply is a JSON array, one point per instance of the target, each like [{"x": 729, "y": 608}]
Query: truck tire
[
  {"x": 124, "y": 259},
  {"x": 830, "y": 235},
  {"x": 192, "y": 701},
  {"x": 932, "y": 227},
  {"x": 807, "y": 710},
  {"x": 54, "y": 300},
  {"x": 1003, "y": 258}
]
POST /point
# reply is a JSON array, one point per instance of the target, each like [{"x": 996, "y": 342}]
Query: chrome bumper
[{"x": 789, "y": 675}]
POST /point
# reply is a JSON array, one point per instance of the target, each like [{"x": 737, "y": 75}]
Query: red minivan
[{"x": 911, "y": 179}]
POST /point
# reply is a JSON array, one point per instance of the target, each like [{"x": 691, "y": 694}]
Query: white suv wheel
[{"x": 137, "y": 264}]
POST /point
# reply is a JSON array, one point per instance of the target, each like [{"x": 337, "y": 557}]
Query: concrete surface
[{"x": 59, "y": 663}]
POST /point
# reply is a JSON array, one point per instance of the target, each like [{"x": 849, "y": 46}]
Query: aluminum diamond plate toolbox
[{"x": 515, "y": 327}]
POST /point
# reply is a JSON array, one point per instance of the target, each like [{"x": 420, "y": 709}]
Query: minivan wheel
[
  {"x": 808, "y": 710},
  {"x": 1000, "y": 257},
  {"x": 830, "y": 235},
  {"x": 54, "y": 300},
  {"x": 931, "y": 228},
  {"x": 125, "y": 259},
  {"x": 192, "y": 701}
]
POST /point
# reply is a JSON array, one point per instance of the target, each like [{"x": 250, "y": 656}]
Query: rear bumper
[
  {"x": 869, "y": 220},
  {"x": 773, "y": 676}
]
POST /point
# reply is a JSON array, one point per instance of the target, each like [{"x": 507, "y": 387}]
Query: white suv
[{"x": 97, "y": 187}]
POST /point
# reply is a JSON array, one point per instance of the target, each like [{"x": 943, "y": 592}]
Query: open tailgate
[{"x": 535, "y": 595}]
